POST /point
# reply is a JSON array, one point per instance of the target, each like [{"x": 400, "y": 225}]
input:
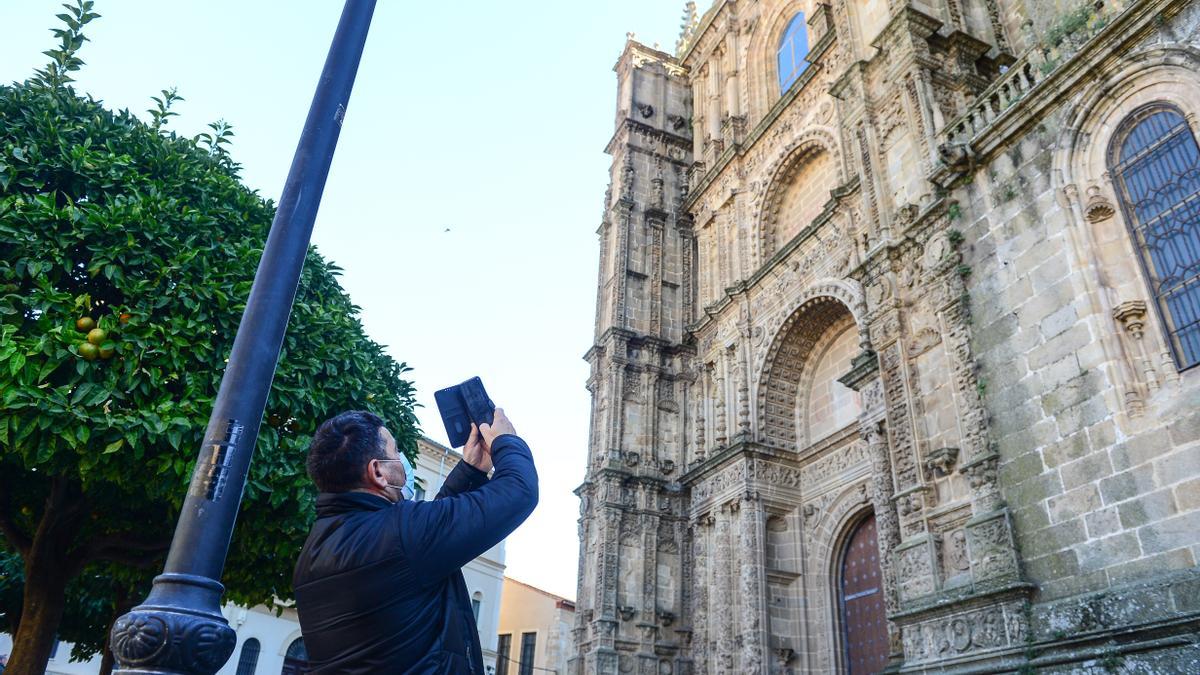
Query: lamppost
[{"x": 179, "y": 628}]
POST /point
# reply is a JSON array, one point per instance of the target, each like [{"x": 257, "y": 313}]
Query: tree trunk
[
  {"x": 122, "y": 605},
  {"x": 49, "y": 565}
]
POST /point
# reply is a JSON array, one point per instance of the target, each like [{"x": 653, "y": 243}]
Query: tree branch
[
  {"x": 13, "y": 534},
  {"x": 125, "y": 550}
]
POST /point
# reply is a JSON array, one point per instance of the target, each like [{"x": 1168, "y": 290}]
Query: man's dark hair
[{"x": 341, "y": 449}]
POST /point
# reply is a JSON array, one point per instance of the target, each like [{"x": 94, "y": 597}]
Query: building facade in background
[
  {"x": 897, "y": 334},
  {"x": 268, "y": 644},
  {"x": 535, "y": 631}
]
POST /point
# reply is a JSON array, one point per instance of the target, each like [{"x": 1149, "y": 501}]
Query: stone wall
[{"x": 1022, "y": 435}]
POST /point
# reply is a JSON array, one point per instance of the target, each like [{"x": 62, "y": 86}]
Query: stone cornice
[
  {"x": 1110, "y": 44},
  {"x": 629, "y": 124}
]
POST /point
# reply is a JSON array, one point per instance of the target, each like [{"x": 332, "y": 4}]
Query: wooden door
[{"x": 864, "y": 616}]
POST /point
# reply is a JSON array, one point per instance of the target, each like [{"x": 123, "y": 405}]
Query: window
[
  {"x": 420, "y": 493},
  {"x": 1155, "y": 164},
  {"x": 295, "y": 661},
  {"x": 503, "y": 651},
  {"x": 793, "y": 49},
  {"x": 248, "y": 660},
  {"x": 476, "y": 603},
  {"x": 528, "y": 642}
]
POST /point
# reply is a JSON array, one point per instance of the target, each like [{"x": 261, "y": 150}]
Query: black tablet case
[{"x": 461, "y": 405}]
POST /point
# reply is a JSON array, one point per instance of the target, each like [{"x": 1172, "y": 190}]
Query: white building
[{"x": 268, "y": 644}]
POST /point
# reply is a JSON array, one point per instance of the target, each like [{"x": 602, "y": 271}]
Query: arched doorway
[
  {"x": 295, "y": 661},
  {"x": 860, "y": 596}
]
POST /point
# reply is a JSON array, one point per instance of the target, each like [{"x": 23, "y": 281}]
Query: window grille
[
  {"x": 528, "y": 644},
  {"x": 1155, "y": 164},
  {"x": 503, "y": 654},
  {"x": 248, "y": 660},
  {"x": 793, "y": 49}
]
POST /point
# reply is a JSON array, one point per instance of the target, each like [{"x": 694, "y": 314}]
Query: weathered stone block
[
  {"x": 1127, "y": 484},
  {"x": 1020, "y": 468},
  {"x": 1178, "y": 532},
  {"x": 1187, "y": 495},
  {"x": 1097, "y": 554},
  {"x": 1061, "y": 347},
  {"x": 1056, "y": 565},
  {"x": 1054, "y": 538},
  {"x": 1147, "y": 508},
  {"x": 1139, "y": 449},
  {"x": 1058, "y": 322},
  {"x": 1073, "y": 447},
  {"x": 1086, "y": 470},
  {"x": 1103, "y": 522},
  {"x": 1074, "y": 504},
  {"x": 1151, "y": 566},
  {"x": 1178, "y": 464}
]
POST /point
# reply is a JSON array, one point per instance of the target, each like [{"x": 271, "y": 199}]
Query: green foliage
[
  {"x": 954, "y": 211},
  {"x": 955, "y": 236},
  {"x": 64, "y": 59},
  {"x": 1071, "y": 23},
  {"x": 161, "y": 111},
  {"x": 152, "y": 237}
]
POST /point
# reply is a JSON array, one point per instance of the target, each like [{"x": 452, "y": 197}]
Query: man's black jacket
[{"x": 379, "y": 586}]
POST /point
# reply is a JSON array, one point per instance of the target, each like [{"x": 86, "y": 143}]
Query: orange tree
[{"x": 126, "y": 255}]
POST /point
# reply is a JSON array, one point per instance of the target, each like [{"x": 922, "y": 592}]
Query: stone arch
[
  {"x": 783, "y": 363},
  {"x": 786, "y": 163},
  {"x": 761, "y": 65},
  {"x": 1099, "y": 236},
  {"x": 826, "y": 533}
]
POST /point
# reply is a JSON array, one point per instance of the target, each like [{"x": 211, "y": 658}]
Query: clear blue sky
[{"x": 486, "y": 118}]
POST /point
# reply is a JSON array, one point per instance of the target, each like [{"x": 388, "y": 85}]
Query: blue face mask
[{"x": 409, "y": 489}]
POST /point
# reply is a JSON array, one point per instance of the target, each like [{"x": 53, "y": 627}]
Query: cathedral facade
[{"x": 897, "y": 335}]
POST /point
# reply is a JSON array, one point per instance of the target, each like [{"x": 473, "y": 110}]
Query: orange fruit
[
  {"x": 85, "y": 324},
  {"x": 89, "y": 351},
  {"x": 97, "y": 336}
]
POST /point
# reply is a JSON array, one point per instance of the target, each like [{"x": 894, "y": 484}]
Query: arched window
[
  {"x": 295, "y": 661},
  {"x": 1155, "y": 164},
  {"x": 793, "y": 48},
  {"x": 248, "y": 660},
  {"x": 476, "y": 603}
]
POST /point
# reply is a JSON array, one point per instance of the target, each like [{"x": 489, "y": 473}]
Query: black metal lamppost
[{"x": 179, "y": 628}]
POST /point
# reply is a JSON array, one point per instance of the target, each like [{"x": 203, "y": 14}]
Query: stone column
[
  {"x": 721, "y": 610},
  {"x": 750, "y": 584},
  {"x": 702, "y": 530},
  {"x": 887, "y": 522}
]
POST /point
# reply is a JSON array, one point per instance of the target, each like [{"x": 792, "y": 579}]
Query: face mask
[{"x": 409, "y": 489}]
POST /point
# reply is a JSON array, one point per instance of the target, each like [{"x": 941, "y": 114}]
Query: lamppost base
[{"x": 179, "y": 630}]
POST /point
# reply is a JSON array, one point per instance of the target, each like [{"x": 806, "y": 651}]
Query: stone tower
[
  {"x": 897, "y": 362},
  {"x": 632, "y": 525}
]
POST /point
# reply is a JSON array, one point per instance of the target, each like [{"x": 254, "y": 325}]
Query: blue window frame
[
  {"x": 1155, "y": 164},
  {"x": 793, "y": 49}
]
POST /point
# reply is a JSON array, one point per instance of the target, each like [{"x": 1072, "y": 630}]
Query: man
[{"x": 379, "y": 586}]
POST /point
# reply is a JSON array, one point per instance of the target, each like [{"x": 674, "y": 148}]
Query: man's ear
[{"x": 374, "y": 475}]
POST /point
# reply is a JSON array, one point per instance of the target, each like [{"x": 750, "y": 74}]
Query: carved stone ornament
[
  {"x": 1132, "y": 315},
  {"x": 626, "y": 612},
  {"x": 941, "y": 461},
  {"x": 1098, "y": 209}
]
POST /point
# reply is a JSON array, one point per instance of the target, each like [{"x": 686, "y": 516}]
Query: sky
[{"x": 464, "y": 196}]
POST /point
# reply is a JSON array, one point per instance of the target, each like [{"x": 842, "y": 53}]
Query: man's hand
[
  {"x": 499, "y": 426},
  {"x": 476, "y": 453}
]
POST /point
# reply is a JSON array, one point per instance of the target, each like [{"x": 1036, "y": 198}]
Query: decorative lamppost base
[{"x": 179, "y": 629}]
